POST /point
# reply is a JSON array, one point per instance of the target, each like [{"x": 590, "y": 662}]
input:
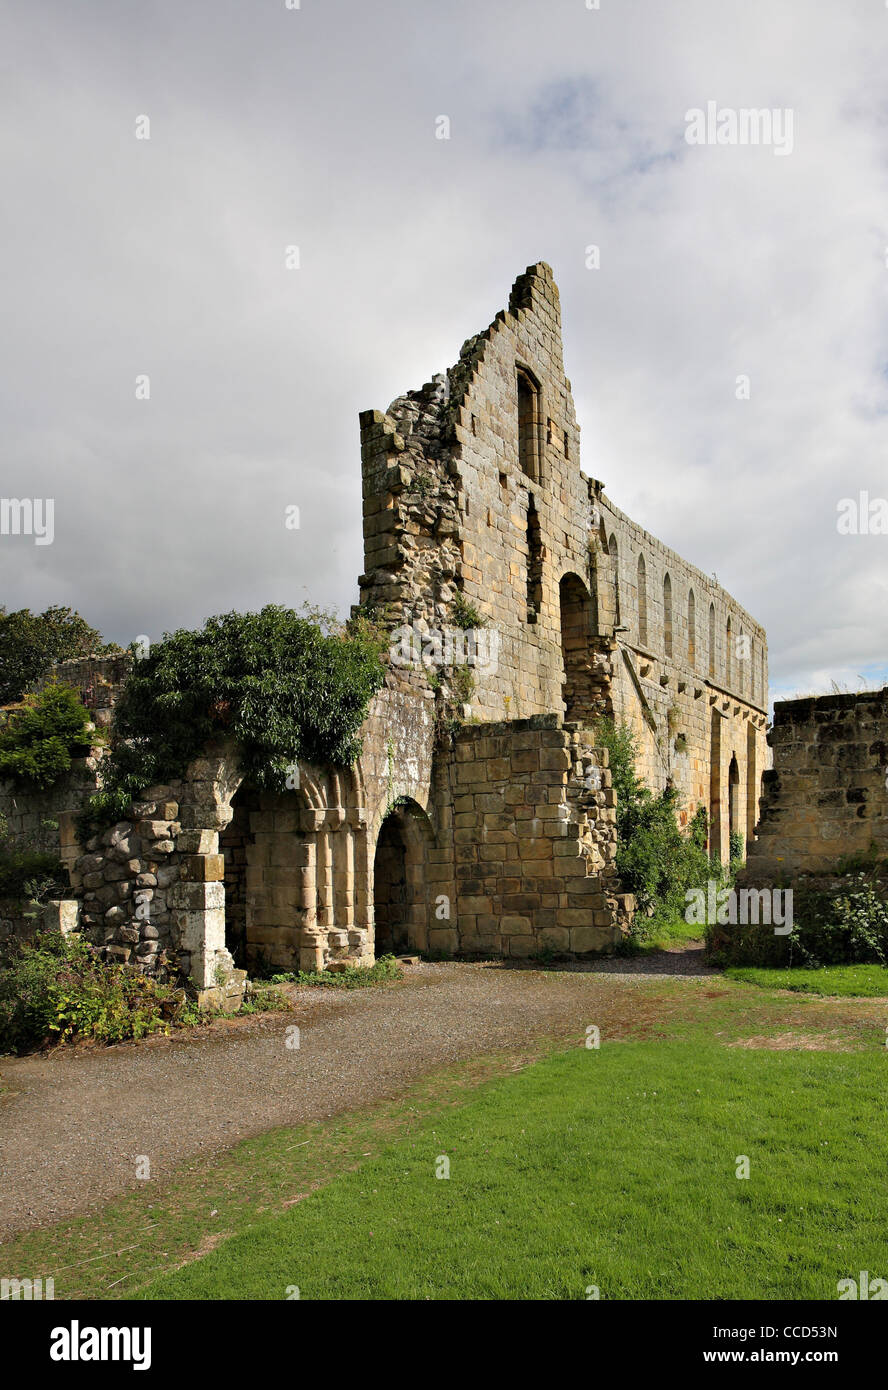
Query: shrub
[
  {"x": 465, "y": 613},
  {"x": 282, "y": 686},
  {"x": 28, "y": 873},
  {"x": 39, "y": 740},
  {"x": 844, "y": 923},
  {"x": 654, "y": 859},
  {"x": 31, "y": 642},
  {"x": 55, "y": 989},
  {"x": 384, "y": 968}
]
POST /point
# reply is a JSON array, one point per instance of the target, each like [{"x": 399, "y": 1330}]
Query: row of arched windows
[{"x": 739, "y": 665}]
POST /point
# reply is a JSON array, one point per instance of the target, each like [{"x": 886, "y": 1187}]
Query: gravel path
[{"x": 73, "y": 1123}]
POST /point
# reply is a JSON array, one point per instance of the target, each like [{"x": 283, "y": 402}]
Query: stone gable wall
[{"x": 474, "y": 532}]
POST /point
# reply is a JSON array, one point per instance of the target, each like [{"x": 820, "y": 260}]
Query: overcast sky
[{"x": 316, "y": 127}]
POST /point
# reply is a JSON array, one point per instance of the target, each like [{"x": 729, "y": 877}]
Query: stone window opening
[
  {"x": 642, "y": 603},
  {"x": 692, "y": 629},
  {"x": 577, "y": 621},
  {"x": 729, "y": 662},
  {"x": 534, "y": 561},
  {"x": 712, "y": 641},
  {"x": 528, "y": 424},
  {"x": 612, "y": 551},
  {"x": 667, "y": 616}
]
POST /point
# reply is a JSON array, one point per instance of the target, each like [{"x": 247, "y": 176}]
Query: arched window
[
  {"x": 712, "y": 641},
  {"x": 642, "y": 603},
  {"x": 667, "y": 615},
  {"x": 742, "y": 658},
  {"x": 692, "y": 629},
  {"x": 613, "y": 552},
  {"x": 729, "y": 663},
  {"x": 528, "y": 425}
]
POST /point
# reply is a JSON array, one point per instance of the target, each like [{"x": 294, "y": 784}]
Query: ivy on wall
[{"x": 280, "y": 685}]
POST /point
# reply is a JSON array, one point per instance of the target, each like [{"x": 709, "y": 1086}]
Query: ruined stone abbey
[{"x": 525, "y": 603}]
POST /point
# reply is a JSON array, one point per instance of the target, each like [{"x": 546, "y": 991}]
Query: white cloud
[{"x": 316, "y": 127}]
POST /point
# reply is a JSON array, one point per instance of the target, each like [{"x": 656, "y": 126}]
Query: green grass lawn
[
  {"x": 667, "y": 930},
  {"x": 869, "y": 981},
  {"x": 614, "y": 1168}
]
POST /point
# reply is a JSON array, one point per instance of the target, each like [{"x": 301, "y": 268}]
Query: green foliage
[
  {"x": 736, "y": 850},
  {"x": 263, "y": 998},
  {"x": 28, "y": 873},
  {"x": 280, "y": 685},
  {"x": 386, "y": 968},
  {"x": 844, "y": 923},
  {"x": 840, "y": 926},
  {"x": 54, "y": 989},
  {"x": 868, "y": 981},
  {"x": 655, "y": 860},
  {"x": 463, "y": 682},
  {"x": 465, "y": 614},
  {"x": 38, "y": 742},
  {"x": 31, "y": 642}
]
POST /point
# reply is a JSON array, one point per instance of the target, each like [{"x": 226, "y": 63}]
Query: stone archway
[
  {"x": 734, "y": 822},
  {"x": 390, "y": 893},
  {"x": 400, "y": 898},
  {"x": 235, "y": 843}
]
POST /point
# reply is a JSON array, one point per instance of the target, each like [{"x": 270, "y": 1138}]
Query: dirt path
[{"x": 74, "y": 1123}]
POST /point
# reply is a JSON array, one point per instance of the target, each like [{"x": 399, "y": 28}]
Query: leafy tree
[
  {"x": 280, "y": 685},
  {"x": 38, "y": 741},
  {"x": 31, "y": 642}
]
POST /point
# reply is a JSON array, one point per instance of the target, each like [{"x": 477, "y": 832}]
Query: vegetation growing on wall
[
  {"x": 39, "y": 741},
  {"x": 281, "y": 685},
  {"x": 465, "y": 613},
  {"x": 655, "y": 860},
  {"x": 31, "y": 642}
]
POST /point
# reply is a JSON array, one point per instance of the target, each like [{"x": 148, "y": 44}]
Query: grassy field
[
  {"x": 614, "y": 1168},
  {"x": 866, "y": 981},
  {"x": 569, "y": 1167}
]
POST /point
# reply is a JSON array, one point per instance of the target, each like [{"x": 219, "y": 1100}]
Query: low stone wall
[
  {"x": 20, "y": 921},
  {"x": 44, "y": 819},
  {"x": 527, "y": 845},
  {"x": 826, "y": 796},
  {"x": 98, "y": 681},
  {"x": 151, "y": 885}
]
